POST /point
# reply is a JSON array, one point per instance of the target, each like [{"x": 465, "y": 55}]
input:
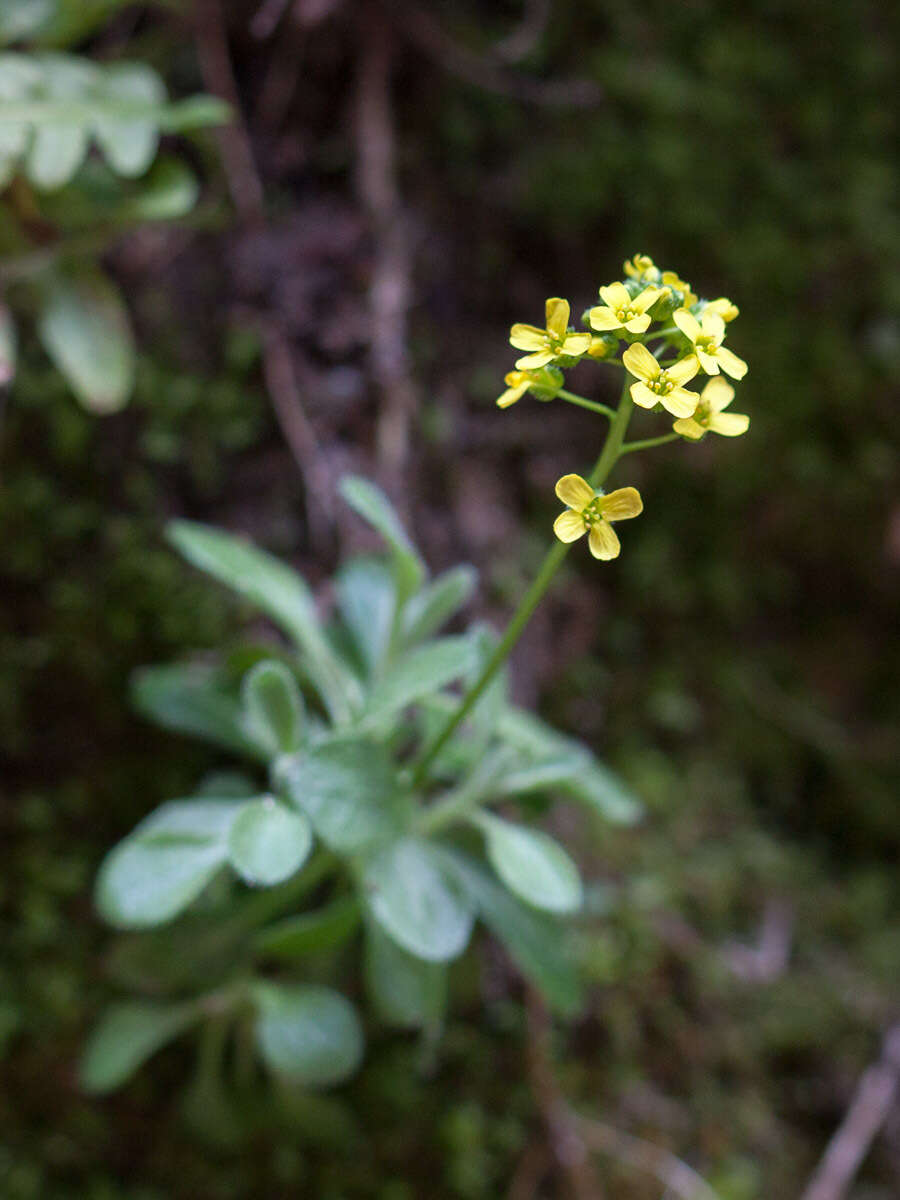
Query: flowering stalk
[
  {"x": 691, "y": 328},
  {"x": 609, "y": 455}
]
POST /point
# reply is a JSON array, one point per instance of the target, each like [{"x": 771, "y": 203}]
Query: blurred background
[{"x": 400, "y": 183}]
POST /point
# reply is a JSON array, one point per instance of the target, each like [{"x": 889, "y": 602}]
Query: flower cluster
[{"x": 670, "y": 336}]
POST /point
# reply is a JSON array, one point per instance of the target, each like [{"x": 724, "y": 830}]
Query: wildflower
[
  {"x": 591, "y": 512},
  {"x": 545, "y": 382},
  {"x": 706, "y": 336},
  {"x": 602, "y": 347},
  {"x": 621, "y": 311},
  {"x": 717, "y": 394},
  {"x": 552, "y": 342},
  {"x": 642, "y": 268},
  {"x": 661, "y": 385},
  {"x": 674, "y": 281},
  {"x": 724, "y": 307}
]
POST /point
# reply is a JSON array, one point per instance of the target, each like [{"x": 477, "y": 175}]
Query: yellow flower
[
  {"x": 717, "y": 394},
  {"x": 723, "y": 306},
  {"x": 661, "y": 385},
  {"x": 641, "y": 267},
  {"x": 621, "y": 311},
  {"x": 672, "y": 280},
  {"x": 591, "y": 512},
  {"x": 518, "y": 383},
  {"x": 550, "y": 343},
  {"x": 706, "y": 336},
  {"x": 599, "y": 347}
]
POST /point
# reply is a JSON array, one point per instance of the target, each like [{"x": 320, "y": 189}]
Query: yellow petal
[
  {"x": 687, "y": 323},
  {"x": 642, "y": 395},
  {"x": 680, "y": 402},
  {"x": 531, "y": 362},
  {"x": 569, "y": 526},
  {"x": 712, "y": 325},
  {"x": 598, "y": 348},
  {"x": 576, "y": 343},
  {"x": 557, "y": 311},
  {"x": 646, "y": 299},
  {"x": 637, "y": 324},
  {"x": 718, "y": 393},
  {"x": 615, "y": 295},
  {"x": 731, "y": 364},
  {"x": 723, "y": 306},
  {"x": 683, "y": 370},
  {"x": 511, "y": 395},
  {"x": 709, "y": 364},
  {"x": 640, "y": 362},
  {"x": 688, "y": 427},
  {"x": 603, "y": 541},
  {"x": 621, "y": 504},
  {"x": 602, "y": 318},
  {"x": 527, "y": 337},
  {"x": 729, "y": 424},
  {"x": 574, "y": 491}
]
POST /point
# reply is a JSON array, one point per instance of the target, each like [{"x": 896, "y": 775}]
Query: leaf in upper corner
[{"x": 84, "y": 327}]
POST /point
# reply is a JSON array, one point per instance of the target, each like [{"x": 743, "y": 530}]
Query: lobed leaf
[
  {"x": 426, "y": 669},
  {"x": 531, "y": 864}
]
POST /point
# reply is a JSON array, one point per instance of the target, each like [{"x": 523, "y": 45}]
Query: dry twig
[
  {"x": 390, "y": 288},
  {"x": 872, "y": 1101}
]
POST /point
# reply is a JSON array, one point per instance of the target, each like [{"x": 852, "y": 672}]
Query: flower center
[
  {"x": 592, "y": 514},
  {"x": 707, "y": 344},
  {"x": 627, "y": 314},
  {"x": 662, "y": 384}
]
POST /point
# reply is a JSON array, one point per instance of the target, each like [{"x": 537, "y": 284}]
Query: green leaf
[
  {"x": 267, "y": 842},
  {"x": 310, "y": 1033},
  {"x": 168, "y": 191},
  {"x": 165, "y": 863},
  {"x": 406, "y": 991},
  {"x": 273, "y": 707},
  {"x": 373, "y": 506},
  {"x": 416, "y": 902},
  {"x": 312, "y": 932},
  {"x": 531, "y": 864},
  {"x": 427, "y": 669},
  {"x": 8, "y": 346},
  {"x": 130, "y": 144},
  {"x": 184, "y": 697},
  {"x": 84, "y": 327},
  {"x": 277, "y": 591},
  {"x": 21, "y": 19},
  {"x": 127, "y": 1035},
  {"x": 58, "y": 147},
  {"x": 349, "y": 791},
  {"x": 535, "y": 942},
  {"x": 367, "y": 600},
  {"x": 603, "y": 790},
  {"x": 431, "y": 608}
]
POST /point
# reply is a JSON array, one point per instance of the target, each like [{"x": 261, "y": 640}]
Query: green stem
[
  {"x": 608, "y": 456},
  {"x": 591, "y": 405},
  {"x": 648, "y": 443}
]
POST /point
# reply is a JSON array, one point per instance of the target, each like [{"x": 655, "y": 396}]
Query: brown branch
[
  {"x": 418, "y": 25},
  {"x": 872, "y": 1101},
  {"x": 390, "y": 289},
  {"x": 243, "y": 178},
  {"x": 566, "y": 1141}
]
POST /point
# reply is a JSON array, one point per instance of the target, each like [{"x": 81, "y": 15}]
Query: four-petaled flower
[
  {"x": 591, "y": 512},
  {"x": 519, "y": 382},
  {"x": 673, "y": 280},
  {"x": 709, "y": 417},
  {"x": 641, "y": 267},
  {"x": 661, "y": 385},
  {"x": 550, "y": 343},
  {"x": 621, "y": 310},
  {"x": 706, "y": 336}
]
